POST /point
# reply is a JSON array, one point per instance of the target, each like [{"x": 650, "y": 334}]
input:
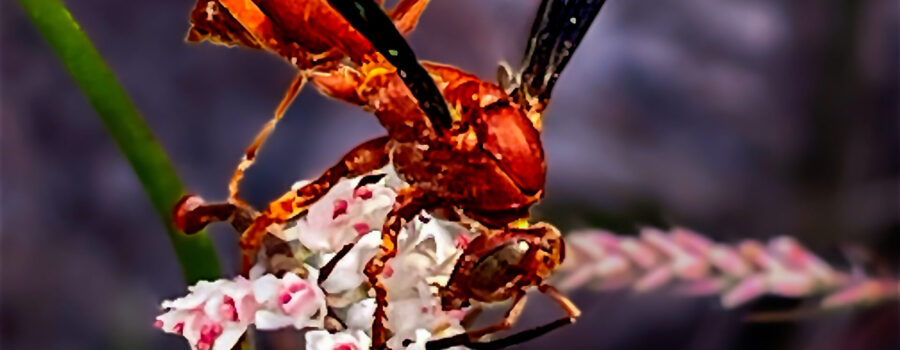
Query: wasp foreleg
[
  {"x": 365, "y": 158},
  {"x": 409, "y": 203}
]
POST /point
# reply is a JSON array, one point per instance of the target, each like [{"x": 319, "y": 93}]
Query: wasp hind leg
[
  {"x": 464, "y": 339},
  {"x": 472, "y": 337},
  {"x": 261, "y": 137}
]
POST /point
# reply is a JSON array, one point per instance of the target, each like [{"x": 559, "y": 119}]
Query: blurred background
[{"x": 740, "y": 119}]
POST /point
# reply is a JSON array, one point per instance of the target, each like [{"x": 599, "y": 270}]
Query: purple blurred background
[{"x": 741, "y": 119}]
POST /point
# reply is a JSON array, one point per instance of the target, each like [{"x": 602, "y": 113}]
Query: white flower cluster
[{"x": 214, "y": 315}]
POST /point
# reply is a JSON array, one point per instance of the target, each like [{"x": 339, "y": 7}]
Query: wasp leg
[
  {"x": 567, "y": 305},
  {"x": 343, "y": 83},
  {"x": 191, "y": 214},
  {"x": 363, "y": 159},
  {"x": 471, "y": 337},
  {"x": 250, "y": 154},
  {"x": 512, "y": 315},
  {"x": 504, "y": 342},
  {"x": 571, "y": 310},
  {"x": 409, "y": 203},
  {"x": 406, "y": 14},
  {"x": 326, "y": 269}
]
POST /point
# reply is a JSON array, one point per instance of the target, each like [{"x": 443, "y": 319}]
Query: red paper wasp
[{"x": 470, "y": 150}]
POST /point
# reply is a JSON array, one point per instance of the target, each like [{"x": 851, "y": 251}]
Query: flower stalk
[
  {"x": 123, "y": 122},
  {"x": 686, "y": 262}
]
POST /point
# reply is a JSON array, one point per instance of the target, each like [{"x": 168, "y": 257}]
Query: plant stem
[{"x": 196, "y": 252}]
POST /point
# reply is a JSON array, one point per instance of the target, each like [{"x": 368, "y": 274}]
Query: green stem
[{"x": 196, "y": 252}]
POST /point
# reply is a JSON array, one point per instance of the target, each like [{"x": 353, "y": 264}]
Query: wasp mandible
[{"x": 469, "y": 150}]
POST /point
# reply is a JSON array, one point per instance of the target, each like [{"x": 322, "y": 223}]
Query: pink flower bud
[
  {"x": 728, "y": 260},
  {"x": 654, "y": 279},
  {"x": 363, "y": 193},
  {"x": 340, "y": 208},
  {"x": 749, "y": 289},
  {"x": 362, "y": 228},
  {"x": 638, "y": 252},
  {"x": 227, "y": 310}
]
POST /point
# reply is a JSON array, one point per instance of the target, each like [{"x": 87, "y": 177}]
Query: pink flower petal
[
  {"x": 227, "y": 310},
  {"x": 790, "y": 284},
  {"x": 690, "y": 267},
  {"x": 363, "y": 193},
  {"x": 605, "y": 239},
  {"x": 654, "y": 279},
  {"x": 692, "y": 241},
  {"x": 866, "y": 292},
  {"x": 362, "y": 228},
  {"x": 577, "y": 278},
  {"x": 659, "y": 240},
  {"x": 798, "y": 257},
  {"x": 728, "y": 260},
  {"x": 340, "y": 208},
  {"x": 285, "y": 298},
  {"x": 749, "y": 289},
  {"x": 638, "y": 252},
  {"x": 707, "y": 286},
  {"x": 685, "y": 264},
  {"x": 756, "y": 253},
  {"x": 612, "y": 265}
]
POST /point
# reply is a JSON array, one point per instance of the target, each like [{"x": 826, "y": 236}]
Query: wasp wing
[
  {"x": 369, "y": 19},
  {"x": 558, "y": 29}
]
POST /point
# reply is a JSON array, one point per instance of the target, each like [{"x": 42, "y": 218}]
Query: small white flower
[
  {"x": 407, "y": 317},
  {"x": 343, "y": 214},
  {"x": 346, "y": 340},
  {"x": 421, "y": 339},
  {"x": 289, "y": 301},
  {"x": 426, "y": 254},
  {"x": 213, "y": 315},
  {"x": 348, "y": 273},
  {"x": 449, "y": 237},
  {"x": 359, "y": 315}
]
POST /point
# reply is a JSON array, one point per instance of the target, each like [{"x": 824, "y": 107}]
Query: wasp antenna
[
  {"x": 367, "y": 17},
  {"x": 558, "y": 29}
]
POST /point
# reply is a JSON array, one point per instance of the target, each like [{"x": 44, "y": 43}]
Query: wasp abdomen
[{"x": 495, "y": 276}]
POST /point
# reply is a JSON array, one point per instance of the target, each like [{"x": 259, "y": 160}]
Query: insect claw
[
  {"x": 191, "y": 213},
  {"x": 182, "y": 209}
]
